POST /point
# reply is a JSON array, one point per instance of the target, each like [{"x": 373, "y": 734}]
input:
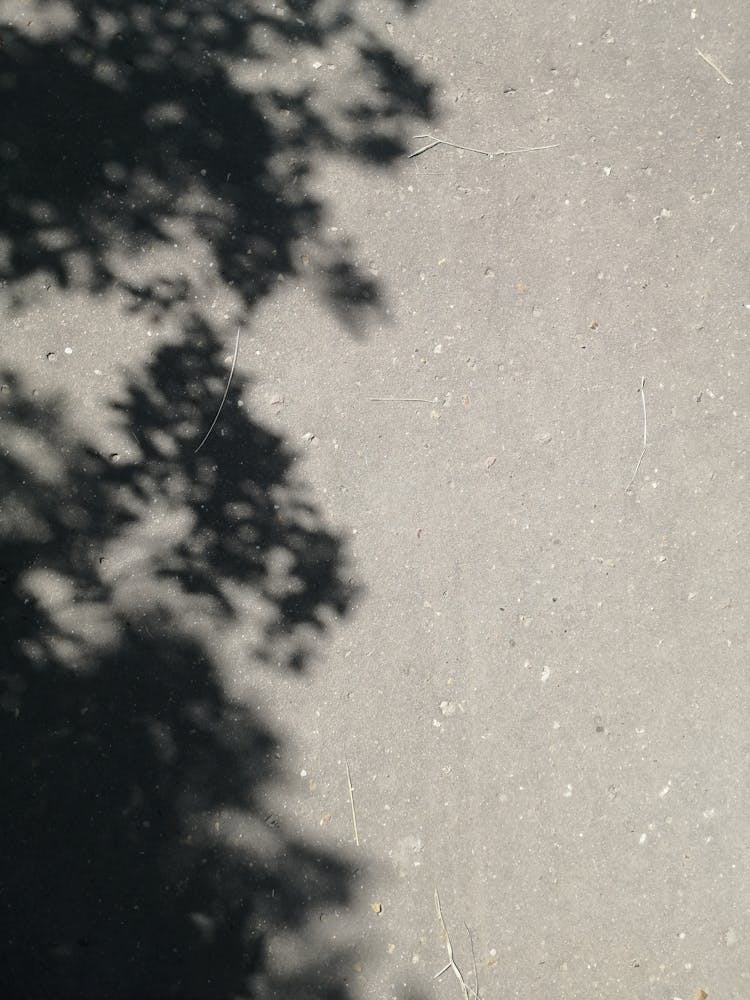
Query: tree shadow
[
  {"x": 139, "y": 857},
  {"x": 130, "y": 126}
]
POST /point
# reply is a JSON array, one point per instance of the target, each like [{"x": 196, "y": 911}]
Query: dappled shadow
[
  {"x": 160, "y": 154},
  {"x": 138, "y": 858},
  {"x": 251, "y": 524},
  {"x": 133, "y": 126}
]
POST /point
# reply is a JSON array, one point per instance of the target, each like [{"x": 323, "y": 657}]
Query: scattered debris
[
  {"x": 713, "y": 65},
  {"x": 472, "y": 149},
  {"x": 645, "y": 429},
  {"x": 376, "y": 908},
  {"x": 224, "y": 397}
]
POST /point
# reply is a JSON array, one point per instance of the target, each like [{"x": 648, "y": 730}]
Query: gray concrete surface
[{"x": 537, "y": 677}]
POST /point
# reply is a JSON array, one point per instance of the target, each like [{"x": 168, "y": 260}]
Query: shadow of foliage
[
  {"x": 139, "y": 856},
  {"x": 130, "y": 126}
]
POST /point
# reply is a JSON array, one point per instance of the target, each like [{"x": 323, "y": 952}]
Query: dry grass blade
[
  {"x": 434, "y": 141},
  {"x": 351, "y": 803},
  {"x": 224, "y": 397},
  {"x": 642, "y": 391},
  {"x": 473, "y": 959},
  {"x": 400, "y": 399},
  {"x": 713, "y": 65},
  {"x": 422, "y": 149},
  {"x": 466, "y": 990}
]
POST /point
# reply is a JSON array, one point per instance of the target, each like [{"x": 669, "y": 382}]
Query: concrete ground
[{"x": 420, "y": 614}]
